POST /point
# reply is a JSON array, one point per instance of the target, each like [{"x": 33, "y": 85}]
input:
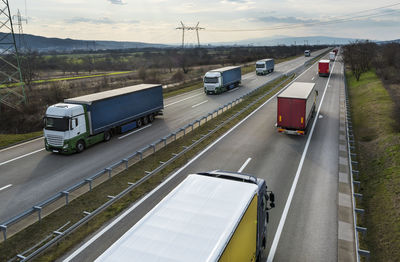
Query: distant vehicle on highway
[
  {"x": 335, "y": 51},
  {"x": 307, "y": 53},
  {"x": 220, "y": 80},
  {"x": 83, "y": 121},
  {"x": 265, "y": 66},
  {"x": 332, "y": 56},
  {"x": 296, "y": 107},
  {"x": 323, "y": 67},
  {"x": 214, "y": 216}
]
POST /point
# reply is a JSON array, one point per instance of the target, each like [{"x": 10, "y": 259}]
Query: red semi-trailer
[
  {"x": 296, "y": 106},
  {"x": 323, "y": 67}
]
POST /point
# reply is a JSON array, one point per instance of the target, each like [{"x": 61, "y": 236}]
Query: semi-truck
[
  {"x": 220, "y": 80},
  {"x": 335, "y": 51},
  {"x": 296, "y": 107},
  {"x": 332, "y": 55},
  {"x": 83, "y": 121},
  {"x": 307, "y": 53},
  {"x": 323, "y": 67},
  {"x": 212, "y": 216},
  {"x": 265, "y": 66}
]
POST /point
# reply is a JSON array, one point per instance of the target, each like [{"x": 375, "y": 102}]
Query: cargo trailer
[
  {"x": 323, "y": 67},
  {"x": 220, "y": 80},
  {"x": 265, "y": 66},
  {"x": 86, "y": 120},
  {"x": 213, "y": 216},
  {"x": 296, "y": 107}
]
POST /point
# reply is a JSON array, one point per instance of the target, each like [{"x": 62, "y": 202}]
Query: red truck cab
[
  {"x": 323, "y": 68},
  {"x": 335, "y": 51}
]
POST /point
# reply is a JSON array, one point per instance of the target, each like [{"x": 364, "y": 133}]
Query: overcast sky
[{"x": 155, "y": 21}]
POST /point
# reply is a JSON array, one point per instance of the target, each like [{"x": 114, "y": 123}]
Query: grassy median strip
[
  {"x": 11, "y": 139},
  {"x": 92, "y": 200},
  {"x": 378, "y": 144}
]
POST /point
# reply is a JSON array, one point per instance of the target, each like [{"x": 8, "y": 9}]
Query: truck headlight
[{"x": 65, "y": 146}]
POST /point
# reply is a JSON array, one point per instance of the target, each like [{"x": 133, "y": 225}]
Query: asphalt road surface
[
  {"x": 29, "y": 174},
  {"x": 300, "y": 170}
]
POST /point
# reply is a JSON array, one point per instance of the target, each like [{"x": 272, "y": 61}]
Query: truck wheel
[
  {"x": 107, "y": 136},
  {"x": 145, "y": 120},
  {"x": 151, "y": 118},
  {"x": 139, "y": 122},
  {"x": 80, "y": 146}
]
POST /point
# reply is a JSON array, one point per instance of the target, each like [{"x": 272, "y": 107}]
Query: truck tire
[
  {"x": 80, "y": 146},
  {"x": 145, "y": 120},
  {"x": 151, "y": 118},
  {"x": 139, "y": 122},
  {"x": 107, "y": 136}
]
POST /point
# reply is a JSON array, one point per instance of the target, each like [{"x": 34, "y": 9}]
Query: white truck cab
[
  {"x": 63, "y": 125},
  {"x": 212, "y": 81}
]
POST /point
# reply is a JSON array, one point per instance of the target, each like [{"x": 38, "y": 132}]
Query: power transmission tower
[
  {"x": 12, "y": 90},
  {"x": 193, "y": 28},
  {"x": 21, "y": 39}
]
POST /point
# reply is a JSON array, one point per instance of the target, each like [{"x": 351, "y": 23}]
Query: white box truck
[
  {"x": 220, "y": 80},
  {"x": 213, "y": 216},
  {"x": 265, "y": 66}
]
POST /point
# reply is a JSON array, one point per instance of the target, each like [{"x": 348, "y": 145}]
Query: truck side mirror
[
  {"x": 316, "y": 92},
  {"x": 73, "y": 124},
  {"x": 272, "y": 197}
]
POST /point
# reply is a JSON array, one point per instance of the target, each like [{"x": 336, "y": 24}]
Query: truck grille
[{"x": 55, "y": 140}]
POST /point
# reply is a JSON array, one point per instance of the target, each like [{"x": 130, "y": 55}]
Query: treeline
[{"x": 361, "y": 56}]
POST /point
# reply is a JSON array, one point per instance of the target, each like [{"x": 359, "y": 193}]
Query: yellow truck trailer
[{"x": 213, "y": 216}]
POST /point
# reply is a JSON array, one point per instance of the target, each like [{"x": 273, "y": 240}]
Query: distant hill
[{"x": 40, "y": 43}]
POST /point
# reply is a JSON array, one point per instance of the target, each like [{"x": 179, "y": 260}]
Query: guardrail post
[
  {"x": 154, "y": 147},
  {"x": 356, "y": 173},
  {"x": 66, "y": 193},
  {"x": 357, "y": 183},
  {"x": 363, "y": 230},
  {"x": 125, "y": 160},
  {"x": 4, "y": 229},
  {"x": 39, "y": 210},
  {"x": 89, "y": 181},
  {"x": 364, "y": 253},
  {"x": 109, "y": 170}
]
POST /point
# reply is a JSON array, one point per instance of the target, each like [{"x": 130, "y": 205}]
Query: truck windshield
[
  {"x": 56, "y": 124},
  {"x": 213, "y": 80},
  {"x": 260, "y": 65}
]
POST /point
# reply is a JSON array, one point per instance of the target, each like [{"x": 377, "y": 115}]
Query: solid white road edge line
[
  {"x": 244, "y": 165},
  {"x": 193, "y": 106},
  {"x": 134, "y": 132},
  {"x": 296, "y": 178},
  {"x": 4, "y": 187},
  {"x": 27, "y": 142},
  {"x": 31, "y": 153},
  {"x": 124, "y": 214},
  {"x": 176, "y": 102}
]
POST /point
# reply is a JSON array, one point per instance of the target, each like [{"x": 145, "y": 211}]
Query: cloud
[
  {"x": 287, "y": 20},
  {"x": 101, "y": 20},
  {"x": 116, "y": 2}
]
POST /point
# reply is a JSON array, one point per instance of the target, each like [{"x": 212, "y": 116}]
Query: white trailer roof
[
  {"x": 264, "y": 60},
  {"x": 224, "y": 68},
  {"x": 89, "y": 99},
  {"x": 324, "y": 61},
  {"x": 192, "y": 223},
  {"x": 299, "y": 90}
]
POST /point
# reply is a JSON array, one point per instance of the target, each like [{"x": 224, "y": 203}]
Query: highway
[
  {"x": 302, "y": 171},
  {"x": 29, "y": 174}
]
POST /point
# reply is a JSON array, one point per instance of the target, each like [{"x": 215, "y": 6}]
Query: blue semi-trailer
[
  {"x": 220, "y": 80},
  {"x": 86, "y": 120}
]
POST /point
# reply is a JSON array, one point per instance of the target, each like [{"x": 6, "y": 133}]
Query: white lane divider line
[
  {"x": 176, "y": 102},
  {"x": 21, "y": 144},
  {"x": 140, "y": 129},
  {"x": 312, "y": 78},
  {"x": 4, "y": 187},
  {"x": 296, "y": 179},
  {"x": 244, "y": 165},
  {"x": 193, "y": 106},
  {"x": 11, "y": 160}
]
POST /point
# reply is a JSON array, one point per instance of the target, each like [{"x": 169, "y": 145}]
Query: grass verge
[
  {"x": 11, "y": 139},
  {"x": 90, "y": 201},
  {"x": 378, "y": 145}
]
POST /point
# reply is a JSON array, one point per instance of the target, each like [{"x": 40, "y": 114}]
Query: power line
[{"x": 331, "y": 21}]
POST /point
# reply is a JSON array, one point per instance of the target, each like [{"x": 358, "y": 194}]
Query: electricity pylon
[
  {"x": 193, "y": 28},
  {"x": 12, "y": 90}
]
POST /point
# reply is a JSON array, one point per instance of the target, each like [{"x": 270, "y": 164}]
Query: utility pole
[
  {"x": 193, "y": 28},
  {"x": 12, "y": 90}
]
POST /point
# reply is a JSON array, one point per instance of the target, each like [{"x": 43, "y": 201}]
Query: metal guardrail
[
  {"x": 354, "y": 173},
  {"x": 57, "y": 235},
  {"x": 40, "y": 210}
]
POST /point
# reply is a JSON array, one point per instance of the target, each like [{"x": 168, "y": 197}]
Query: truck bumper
[
  {"x": 291, "y": 132},
  {"x": 60, "y": 150}
]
